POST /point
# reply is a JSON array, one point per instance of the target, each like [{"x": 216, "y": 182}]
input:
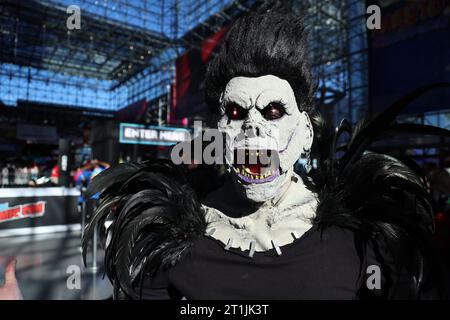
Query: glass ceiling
[
  {"x": 171, "y": 18},
  {"x": 126, "y": 48},
  {"x": 119, "y": 40}
]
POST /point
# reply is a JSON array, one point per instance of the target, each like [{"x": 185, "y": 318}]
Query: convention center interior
[{"x": 86, "y": 85}]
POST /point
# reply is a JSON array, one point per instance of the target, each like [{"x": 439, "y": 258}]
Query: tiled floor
[{"x": 48, "y": 266}]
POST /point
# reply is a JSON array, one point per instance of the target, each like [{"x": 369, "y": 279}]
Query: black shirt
[{"x": 322, "y": 264}]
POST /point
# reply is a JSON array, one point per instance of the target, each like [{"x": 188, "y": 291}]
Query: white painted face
[{"x": 260, "y": 118}]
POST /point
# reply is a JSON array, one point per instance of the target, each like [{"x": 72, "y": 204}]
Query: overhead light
[
  {"x": 131, "y": 47},
  {"x": 142, "y": 57},
  {"x": 99, "y": 59}
]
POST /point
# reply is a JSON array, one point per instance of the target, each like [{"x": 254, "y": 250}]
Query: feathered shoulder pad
[
  {"x": 378, "y": 196},
  {"x": 155, "y": 218},
  {"x": 357, "y": 186}
]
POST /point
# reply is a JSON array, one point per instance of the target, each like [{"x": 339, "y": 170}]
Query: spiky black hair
[{"x": 260, "y": 44}]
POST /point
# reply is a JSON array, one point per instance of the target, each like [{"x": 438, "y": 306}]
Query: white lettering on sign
[
  {"x": 171, "y": 135},
  {"x": 156, "y": 135},
  {"x": 150, "y": 134},
  {"x": 137, "y": 133}
]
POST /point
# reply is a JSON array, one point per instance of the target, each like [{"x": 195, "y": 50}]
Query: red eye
[
  {"x": 273, "y": 111},
  {"x": 235, "y": 112}
]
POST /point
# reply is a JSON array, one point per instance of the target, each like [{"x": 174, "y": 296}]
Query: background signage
[{"x": 152, "y": 135}]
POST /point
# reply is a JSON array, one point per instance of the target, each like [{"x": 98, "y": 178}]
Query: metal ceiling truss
[{"x": 130, "y": 46}]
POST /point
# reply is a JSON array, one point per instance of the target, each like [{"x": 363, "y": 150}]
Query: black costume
[
  {"x": 372, "y": 208},
  {"x": 319, "y": 265}
]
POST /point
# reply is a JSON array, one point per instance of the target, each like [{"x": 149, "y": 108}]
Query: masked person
[{"x": 354, "y": 227}]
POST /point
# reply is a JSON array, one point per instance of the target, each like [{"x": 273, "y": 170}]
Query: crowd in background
[{"x": 22, "y": 173}]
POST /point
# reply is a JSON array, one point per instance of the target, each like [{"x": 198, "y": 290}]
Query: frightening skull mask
[{"x": 265, "y": 134}]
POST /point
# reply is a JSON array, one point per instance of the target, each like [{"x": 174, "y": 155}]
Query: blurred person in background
[
  {"x": 34, "y": 171},
  {"x": 98, "y": 166},
  {"x": 54, "y": 175},
  {"x": 88, "y": 171},
  {"x": 11, "y": 173},
  {"x": 5, "y": 175}
]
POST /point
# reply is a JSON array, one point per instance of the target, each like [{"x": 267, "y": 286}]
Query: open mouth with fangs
[{"x": 256, "y": 165}]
